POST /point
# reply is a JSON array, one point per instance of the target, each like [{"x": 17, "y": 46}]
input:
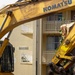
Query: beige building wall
[{"x": 23, "y": 44}]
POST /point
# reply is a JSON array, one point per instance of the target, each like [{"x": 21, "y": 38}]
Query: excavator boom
[{"x": 29, "y": 11}]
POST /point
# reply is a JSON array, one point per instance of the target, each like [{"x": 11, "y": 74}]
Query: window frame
[{"x": 53, "y": 43}]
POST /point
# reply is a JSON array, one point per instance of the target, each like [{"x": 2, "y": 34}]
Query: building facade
[{"x": 36, "y": 42}]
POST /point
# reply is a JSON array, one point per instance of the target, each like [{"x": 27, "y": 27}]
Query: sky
[{"x": 6, "y": 2}]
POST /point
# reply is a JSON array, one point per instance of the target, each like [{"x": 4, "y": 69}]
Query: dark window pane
[
  {"x": 55, "y": 17},
  {"x": 52, "y": 42}
]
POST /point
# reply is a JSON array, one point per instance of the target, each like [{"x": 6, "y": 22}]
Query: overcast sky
[{"x": 6, "y": 2}]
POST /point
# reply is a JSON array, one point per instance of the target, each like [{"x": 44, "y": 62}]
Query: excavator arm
[
  {"x": 23, "y": 12},
  {"x": 64, "y": 58}
]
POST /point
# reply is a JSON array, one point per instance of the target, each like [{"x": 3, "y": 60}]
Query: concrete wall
[{"x": 18, "y": 40}]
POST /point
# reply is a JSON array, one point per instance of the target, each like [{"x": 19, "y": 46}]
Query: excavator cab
[{"x": 7, "y": 59}]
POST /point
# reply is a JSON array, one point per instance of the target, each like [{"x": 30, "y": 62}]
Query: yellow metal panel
[
  {"x": 2, "y": 17},
  {"x": 7, "y": 22},
  {"x": 18, "y": 15}
]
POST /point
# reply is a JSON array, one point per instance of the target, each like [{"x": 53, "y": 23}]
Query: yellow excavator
[{"x": 23, "y": 11}]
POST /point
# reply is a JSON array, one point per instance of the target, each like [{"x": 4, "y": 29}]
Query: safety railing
[
  {"x": 54, "y": 25},
  {"x": 47, "y": 56}
]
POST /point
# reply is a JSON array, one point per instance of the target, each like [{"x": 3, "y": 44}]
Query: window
[
  {"x": 60, "y": 17},
  {"x": 73, "y": 15},
  {"x": 57, "y": 17},
  {"x": 52, "y": 42}
]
